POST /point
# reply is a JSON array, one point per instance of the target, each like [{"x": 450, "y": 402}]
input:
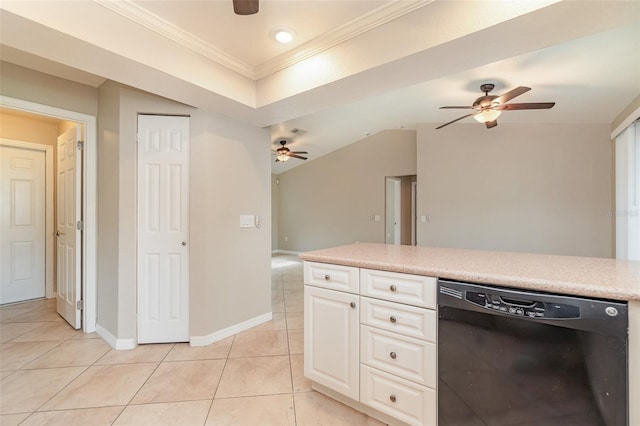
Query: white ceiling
[{"x": 355, "y": 68}]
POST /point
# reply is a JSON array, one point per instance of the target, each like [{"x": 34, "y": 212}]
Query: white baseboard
[
  {"x": 285, "y": 252},
  {"x": 113, "y": 341},
  {"x": 229, "y": 331}
]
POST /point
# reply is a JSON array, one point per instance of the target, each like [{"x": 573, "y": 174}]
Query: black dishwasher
[{"x": 517, "y": 357}]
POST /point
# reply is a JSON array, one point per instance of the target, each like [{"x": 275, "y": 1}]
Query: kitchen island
[{"x": 578, "y": 276}]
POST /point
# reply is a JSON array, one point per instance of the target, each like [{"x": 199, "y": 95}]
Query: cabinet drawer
[
  {"x": 404, "y": 400},
  {"x": 412, "y": 359},
  {"x": 411, "y": 321},
  {"x": 396, "y": 287},
  {"x": 333, "y": 277}
]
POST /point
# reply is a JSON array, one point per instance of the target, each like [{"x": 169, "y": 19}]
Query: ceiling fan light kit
[
  {"x": 489, "y": 107},
  {"x": 283, "y": 153}
]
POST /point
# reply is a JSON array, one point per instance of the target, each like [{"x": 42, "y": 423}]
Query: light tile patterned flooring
[{"x": 51, "y": 374}]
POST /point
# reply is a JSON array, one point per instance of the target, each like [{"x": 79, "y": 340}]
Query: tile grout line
[{"x": 218, "y": 384}]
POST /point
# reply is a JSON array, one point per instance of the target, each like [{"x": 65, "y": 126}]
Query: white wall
[
  {"x": 332, "y": 200},
  {"x": 527, "y": 188}
]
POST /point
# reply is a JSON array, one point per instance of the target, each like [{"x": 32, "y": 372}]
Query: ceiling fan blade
[
  {"x": 506, "y": 97},
  {"x": 245, "y": 7},
  {"x": 297, "y": 156},
  {"x": 530, "y": 105},
  {"x": 456, "y": 107},
  {"x": 491, "y": 124},
  {"x": 457, "y": 119},
  {"x": 299, "y": 152}
]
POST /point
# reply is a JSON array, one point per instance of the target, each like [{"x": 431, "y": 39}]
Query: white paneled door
[
  {"x": 69, "y": 226},
  {"x": 163, "y": 229},
  {"x": 22, "y": 224}
]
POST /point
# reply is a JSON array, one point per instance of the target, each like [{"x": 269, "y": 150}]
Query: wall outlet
[{"x": 286, "y": 238}]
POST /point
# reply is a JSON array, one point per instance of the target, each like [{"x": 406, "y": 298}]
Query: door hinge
[
  {"x": 80, "y": 145},
  {"x": 80, "y": 225},
  {"x": 80, "y": 305}
]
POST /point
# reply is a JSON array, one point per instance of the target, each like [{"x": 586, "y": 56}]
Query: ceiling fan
[
  {"x": 489, "y": 107},
  {"x": 283, "y": 153},
  {"x": 245, "y": 7}
]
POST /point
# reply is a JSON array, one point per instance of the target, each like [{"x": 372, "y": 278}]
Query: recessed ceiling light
[{"x": 283, "y": 35}]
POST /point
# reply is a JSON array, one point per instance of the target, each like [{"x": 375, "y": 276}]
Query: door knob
[
  {"x": 184, "y": 243},
  {"x": 58, "y": 233}
]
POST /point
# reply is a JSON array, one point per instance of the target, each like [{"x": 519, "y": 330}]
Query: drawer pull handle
[
  {"x": 392, "y": 398},
  {"x": 393, "y": 355},
  {"x": 393, "y": 287},
  {"x": 393, "y": 319},
  {"x": 327, "y": 277},
  {"x": 353, "y": 305}
]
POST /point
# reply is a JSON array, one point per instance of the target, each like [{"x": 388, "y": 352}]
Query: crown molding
[
  {"x": 132, "y": 11},
  {"x": 377, "y": 17}
]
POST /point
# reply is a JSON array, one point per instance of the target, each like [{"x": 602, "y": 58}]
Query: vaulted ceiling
[{"x": 355, "y": 67}]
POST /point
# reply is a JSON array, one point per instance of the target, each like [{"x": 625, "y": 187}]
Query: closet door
[{"x": 163, "y": 229}]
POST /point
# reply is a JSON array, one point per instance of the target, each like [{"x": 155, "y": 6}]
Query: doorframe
[
  {"x": 397, "y": 209},
  {"x": 414, "y": 218},
  {"x": 89, "y": 234},
  {"x": 48, "y": 196}
]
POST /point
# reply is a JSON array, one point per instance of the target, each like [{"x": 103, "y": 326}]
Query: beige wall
[
  {"x": 28, "y": 85},
  {"x": 224, "y": 291},
  {"x": 28, "y": 128},
  {"x": 332, "y": 200},
  {"x": 527, "y": 188}
]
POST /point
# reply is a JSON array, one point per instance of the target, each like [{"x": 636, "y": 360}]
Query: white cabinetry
[
  {"x": 331, "y": 328},
  {"x": 389, "y": 348}
]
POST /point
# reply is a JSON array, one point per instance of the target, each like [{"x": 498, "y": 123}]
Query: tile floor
[{"x": 51, "y": 374}]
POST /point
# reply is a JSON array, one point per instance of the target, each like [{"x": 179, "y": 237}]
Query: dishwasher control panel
[{"x": 520, "y": 307}]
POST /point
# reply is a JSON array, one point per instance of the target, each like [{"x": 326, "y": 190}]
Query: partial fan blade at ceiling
[
  {"x": 297, "y": 156},
  {"x": 531, "y": 105},
  {"x": 299, "y": 152},
  {"x": 245, "y": 7},
  {"x": 457, "y": 107},
  {"x": 457, "y": 119},
  {"x": 511, "y": 94}
]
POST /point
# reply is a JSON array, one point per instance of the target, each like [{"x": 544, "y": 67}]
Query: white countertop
[{"x": 582, "y": 276}]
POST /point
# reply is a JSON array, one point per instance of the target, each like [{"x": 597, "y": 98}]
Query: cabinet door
[{"x": 331, "y": 340}]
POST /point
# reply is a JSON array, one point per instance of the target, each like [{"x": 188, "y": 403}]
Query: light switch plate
[{"x": 247, "y": 221}]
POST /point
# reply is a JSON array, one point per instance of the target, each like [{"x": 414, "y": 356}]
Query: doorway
[
  {"x": 86, "y": 272},
  {"x": 400, "y": 209}
]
